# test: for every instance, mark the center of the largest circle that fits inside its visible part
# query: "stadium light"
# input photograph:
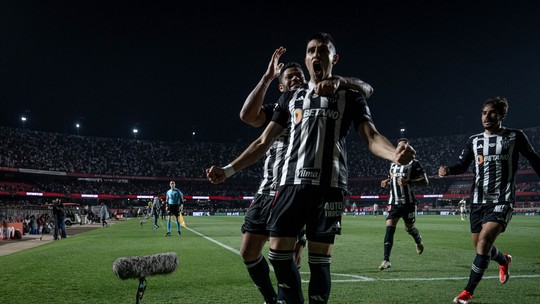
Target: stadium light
(402, 131)
(77, 125)
(23, 119)
(135, 131)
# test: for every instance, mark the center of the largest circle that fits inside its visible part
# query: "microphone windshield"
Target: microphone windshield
(142, 266)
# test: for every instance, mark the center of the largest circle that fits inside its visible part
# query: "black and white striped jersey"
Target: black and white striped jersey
(404, 194)
(318, 126)
(495, 164)
(273, 159)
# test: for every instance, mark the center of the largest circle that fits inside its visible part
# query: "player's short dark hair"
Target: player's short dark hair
(323, 37)
(500, 104)
(286, 66)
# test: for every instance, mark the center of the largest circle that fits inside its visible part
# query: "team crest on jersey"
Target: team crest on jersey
(310, 173)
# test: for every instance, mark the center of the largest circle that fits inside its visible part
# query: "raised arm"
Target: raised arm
(251, 112)
(254, 152)
(379, 145)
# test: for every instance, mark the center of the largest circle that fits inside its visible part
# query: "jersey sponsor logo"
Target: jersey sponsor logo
(491, 196)
(321, 112)
(311, 173)
(479, 159)
(496, 157)
(333, 209)
(297, 116)
(499, 208)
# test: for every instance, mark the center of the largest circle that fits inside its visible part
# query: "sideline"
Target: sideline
(34, 240)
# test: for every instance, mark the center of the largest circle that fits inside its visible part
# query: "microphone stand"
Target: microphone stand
(140, 290)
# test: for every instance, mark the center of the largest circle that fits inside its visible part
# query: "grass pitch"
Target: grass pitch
(79, 268)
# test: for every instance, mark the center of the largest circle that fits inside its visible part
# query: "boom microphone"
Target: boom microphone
(137, 267)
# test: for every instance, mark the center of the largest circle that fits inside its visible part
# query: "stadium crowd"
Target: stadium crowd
(130, 166)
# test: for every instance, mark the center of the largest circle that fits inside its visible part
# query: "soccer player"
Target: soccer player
(254, 233)
(154, 210)
(495, 154)
(175, 200)
(375, 209)
(314, 175)
(462, 209)
(402, 204)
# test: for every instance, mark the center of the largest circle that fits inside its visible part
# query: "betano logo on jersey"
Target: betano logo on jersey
(480, 159)
(324, 112)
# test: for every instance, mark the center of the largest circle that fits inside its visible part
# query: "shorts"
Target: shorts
(405, 211)
(257, 214)
(483, 213)
(318, 208)
(174, 209)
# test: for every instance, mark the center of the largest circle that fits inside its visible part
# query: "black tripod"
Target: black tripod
(140, 290)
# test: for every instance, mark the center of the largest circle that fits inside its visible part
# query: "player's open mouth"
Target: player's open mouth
(317, 68)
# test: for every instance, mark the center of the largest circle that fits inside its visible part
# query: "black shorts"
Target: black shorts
(405, 211)
(174, 209)
(318, 208)
(483, 213)
(257, 214)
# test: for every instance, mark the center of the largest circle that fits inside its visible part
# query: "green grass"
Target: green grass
(79, 269)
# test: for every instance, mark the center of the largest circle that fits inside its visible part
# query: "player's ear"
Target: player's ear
(335, 59)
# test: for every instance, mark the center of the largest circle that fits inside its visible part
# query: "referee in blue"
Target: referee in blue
(175, 200)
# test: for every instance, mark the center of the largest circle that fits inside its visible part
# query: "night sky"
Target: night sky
(172, 67)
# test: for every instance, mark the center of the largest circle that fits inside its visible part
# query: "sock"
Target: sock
(287, 275)
(497, 256)
(416, 235)
(260, 275)
(388, 242)
(320, 282)
(169, 224)
(178, 225)
(479, 266)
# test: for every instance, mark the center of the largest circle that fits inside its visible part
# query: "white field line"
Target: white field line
(352, 278)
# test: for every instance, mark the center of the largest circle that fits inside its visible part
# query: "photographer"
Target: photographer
(59, 219)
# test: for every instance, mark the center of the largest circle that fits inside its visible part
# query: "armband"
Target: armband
(229, 170)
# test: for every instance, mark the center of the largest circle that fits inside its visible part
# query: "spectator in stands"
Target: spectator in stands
(34, 226)
(495, 153)
(90, 216)
(59, 214)
(402, 202)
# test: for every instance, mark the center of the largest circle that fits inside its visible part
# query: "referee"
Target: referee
(175, 200)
